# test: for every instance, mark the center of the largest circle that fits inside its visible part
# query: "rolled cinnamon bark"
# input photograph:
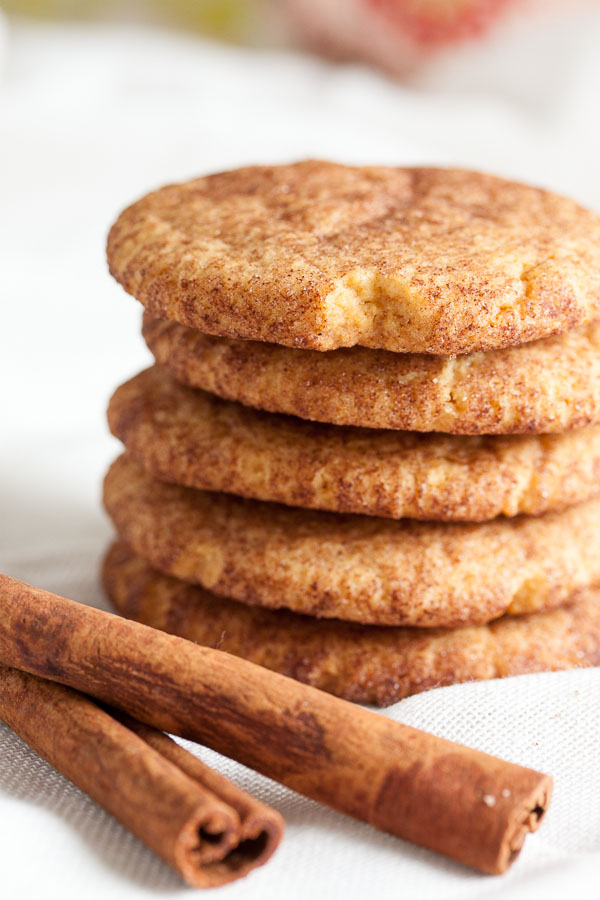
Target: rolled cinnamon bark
(470, 806)
(260, 827)
(203, 826)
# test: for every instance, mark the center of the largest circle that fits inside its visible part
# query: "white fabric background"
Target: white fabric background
(90, 118)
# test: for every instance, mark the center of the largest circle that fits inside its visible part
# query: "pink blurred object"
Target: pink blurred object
(399, 34)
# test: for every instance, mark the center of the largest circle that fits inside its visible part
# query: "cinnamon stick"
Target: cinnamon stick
(470, 806)
(202, 825)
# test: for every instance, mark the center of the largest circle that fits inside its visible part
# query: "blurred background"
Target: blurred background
(396, 35)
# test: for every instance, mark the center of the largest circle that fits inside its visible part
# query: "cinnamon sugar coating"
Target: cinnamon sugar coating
(364, 663)
(357, 568)
(195, 439)
(320, 255)
(547, 386)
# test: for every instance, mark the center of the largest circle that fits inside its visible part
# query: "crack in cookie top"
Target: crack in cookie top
(319, 255)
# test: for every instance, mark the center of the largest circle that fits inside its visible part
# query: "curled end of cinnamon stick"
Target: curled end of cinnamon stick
(209, 852)
(206, 839)
(524, 819)
(475, 808)
(226, 839)
(204, 826)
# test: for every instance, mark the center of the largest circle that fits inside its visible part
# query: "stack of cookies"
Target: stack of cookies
(368, 454)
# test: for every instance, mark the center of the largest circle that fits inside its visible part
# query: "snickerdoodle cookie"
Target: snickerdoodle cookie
(547, 386)
(358, 568)
(196, 439)
(364, 663)
(320, 255)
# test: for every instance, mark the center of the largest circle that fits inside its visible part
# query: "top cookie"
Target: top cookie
(320, 255)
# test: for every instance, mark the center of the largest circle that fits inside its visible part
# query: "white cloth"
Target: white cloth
(90, 118)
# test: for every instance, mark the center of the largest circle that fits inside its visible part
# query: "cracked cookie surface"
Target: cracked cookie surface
(193, 438)
(359, 568)
(320, 255)
(364, 663)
